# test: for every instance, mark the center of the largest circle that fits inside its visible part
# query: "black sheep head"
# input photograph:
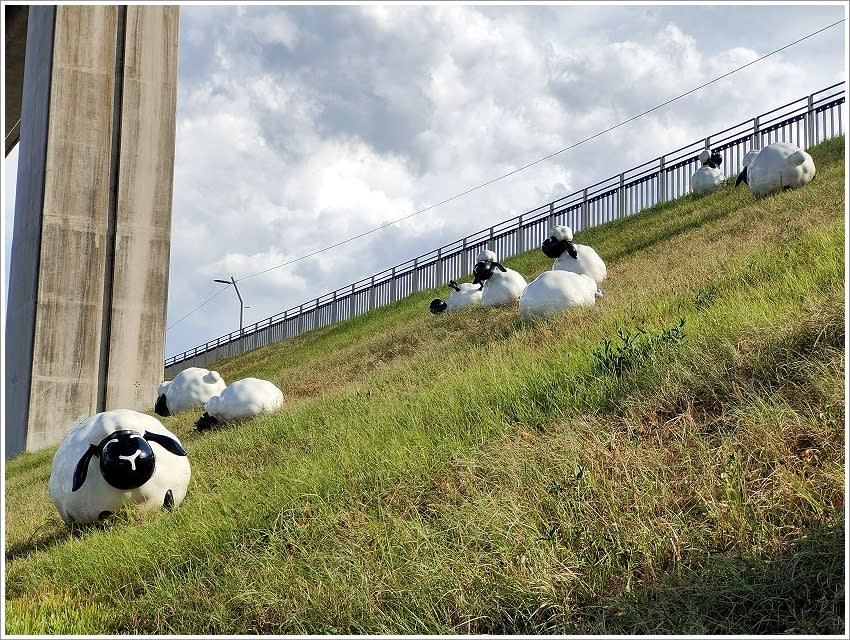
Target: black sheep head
(126, 459)
(437, 305)
(553, 248)
(161, 407)
(483, 270)
(206, 421)
(715, 160)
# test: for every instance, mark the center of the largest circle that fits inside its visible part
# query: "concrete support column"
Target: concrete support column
(89, 272)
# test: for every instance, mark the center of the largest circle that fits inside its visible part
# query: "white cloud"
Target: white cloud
(273, 29)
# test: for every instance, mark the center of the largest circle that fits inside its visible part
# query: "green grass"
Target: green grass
(469, 473)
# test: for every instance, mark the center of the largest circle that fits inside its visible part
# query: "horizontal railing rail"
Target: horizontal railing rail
(804, 122)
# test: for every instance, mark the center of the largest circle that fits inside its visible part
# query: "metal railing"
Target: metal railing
(803, 122)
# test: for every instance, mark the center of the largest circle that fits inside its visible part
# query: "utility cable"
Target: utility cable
(203, 304)
(524, 167)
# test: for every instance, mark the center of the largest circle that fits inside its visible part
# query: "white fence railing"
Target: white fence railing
(804, 122)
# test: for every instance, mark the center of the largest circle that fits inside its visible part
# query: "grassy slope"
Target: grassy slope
(468, 473)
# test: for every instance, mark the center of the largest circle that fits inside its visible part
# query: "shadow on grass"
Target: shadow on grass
(51, 533)
(801, 592)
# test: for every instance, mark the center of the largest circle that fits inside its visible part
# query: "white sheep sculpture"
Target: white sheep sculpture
(117, 458)
(574, 257)
(708, 178)
(553, 292)
(190, 388)
(463, 295)
(501, 286)
(240, 400)
(777, 166)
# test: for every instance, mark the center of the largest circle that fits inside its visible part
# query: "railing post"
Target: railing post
(490, 240)
(585, 214)
(621, 196)
(351, 302)
(810, 119)
(315, 315)
(371, 293)
(300, 319)
(415, 283)
(662, 180)
(392, 287)
(520, 237)
(551, 219)
(465, 269)
(440, 271)
(756, 142)
(333, 310)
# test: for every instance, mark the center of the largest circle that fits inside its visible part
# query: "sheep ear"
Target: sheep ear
(501, 268)
(571, 249)
(82, 468)
(161, 407)
(167, 442)
(742, 178)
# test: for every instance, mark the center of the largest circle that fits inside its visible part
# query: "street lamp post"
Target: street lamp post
(241, 305)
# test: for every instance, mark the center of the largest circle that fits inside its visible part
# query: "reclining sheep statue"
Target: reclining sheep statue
(190, 388)
(240, 400)
(708, 178)
(574, 257)
(463, 295)
(117, 458)
(553, 292)
(775, 167)
(501, 286)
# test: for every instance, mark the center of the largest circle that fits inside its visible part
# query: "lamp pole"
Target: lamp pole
(241, 305)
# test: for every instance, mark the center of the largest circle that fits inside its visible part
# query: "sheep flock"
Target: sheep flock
(122, 457)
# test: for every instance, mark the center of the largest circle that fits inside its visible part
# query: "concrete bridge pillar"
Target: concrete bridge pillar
(85, 329)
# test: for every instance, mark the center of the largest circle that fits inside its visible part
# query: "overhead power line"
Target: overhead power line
(203, 304)
(522, 168)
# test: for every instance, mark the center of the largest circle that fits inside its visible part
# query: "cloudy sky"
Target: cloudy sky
(301, 126)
